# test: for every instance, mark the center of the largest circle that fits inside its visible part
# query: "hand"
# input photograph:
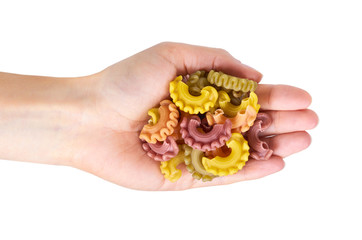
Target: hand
(128, 89)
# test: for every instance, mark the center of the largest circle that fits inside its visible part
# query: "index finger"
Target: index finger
(282, 97)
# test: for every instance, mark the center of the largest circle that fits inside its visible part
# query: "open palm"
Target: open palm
(128, 89)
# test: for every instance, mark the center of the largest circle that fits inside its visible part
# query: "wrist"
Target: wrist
(42, 117)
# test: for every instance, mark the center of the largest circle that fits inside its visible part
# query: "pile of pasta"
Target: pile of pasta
(211, 123)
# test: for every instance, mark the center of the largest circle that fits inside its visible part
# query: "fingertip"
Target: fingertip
(286, 144)
(308, 140)
(307, 98)
(283, 97)
(313, 119)
(303, 139)
(254, 74)
(277, 164)
(255, 169)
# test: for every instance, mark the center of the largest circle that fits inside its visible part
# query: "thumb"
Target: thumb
(188, 59)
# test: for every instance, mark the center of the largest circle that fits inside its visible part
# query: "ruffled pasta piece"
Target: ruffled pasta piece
(164, 127)
(252, 100)
(176, 133)
(195, 167)
(240, 123)
(155, 116)
(198, 139)
(259, 149)
(232, 110)
(222, 166)
(169, 168)
(161, 151)
(229, 82)
(180, 95)
(196, 82)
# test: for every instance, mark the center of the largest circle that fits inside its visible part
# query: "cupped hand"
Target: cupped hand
(128, 89)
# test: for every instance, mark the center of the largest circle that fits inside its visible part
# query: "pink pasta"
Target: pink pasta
(259, 149)
(161, 151)
(197, 139)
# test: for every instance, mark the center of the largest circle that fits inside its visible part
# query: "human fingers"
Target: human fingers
(188, 59)
(291, 121)
(282, 97)
(253, 169)
(287, 144)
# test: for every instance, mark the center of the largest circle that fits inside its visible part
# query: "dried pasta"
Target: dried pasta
(195, 167)
(180, 95)
(169, 168)
(197, 139)
(259, 149)
(196, 82)
(222, 166)
(221, 79)
(164, 127)
(204, 126)
(161, 151)
(240, 123)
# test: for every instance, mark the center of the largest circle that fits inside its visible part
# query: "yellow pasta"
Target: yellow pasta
(222, 166)
(180, 95)
(169, 168)
(154, 114)
(232, 110)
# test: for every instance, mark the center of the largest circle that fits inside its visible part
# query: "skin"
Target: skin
(92, 123)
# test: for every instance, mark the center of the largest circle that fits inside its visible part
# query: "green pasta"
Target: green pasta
(196, 82)
(221, 79)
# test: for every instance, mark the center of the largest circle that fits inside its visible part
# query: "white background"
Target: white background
(314, 45)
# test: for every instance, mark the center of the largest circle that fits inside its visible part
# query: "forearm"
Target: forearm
(39, 117)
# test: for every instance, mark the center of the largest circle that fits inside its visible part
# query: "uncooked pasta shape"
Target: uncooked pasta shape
(161, 151)
(231, 110)
(181, 96)
(195, 167)
(229, 82)
(197, 139)
(222, 166)
(155, 116)
(196, 82)
(240, 123)
(259, 149)
(169, 168)
(204, 126)
(165, 125)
